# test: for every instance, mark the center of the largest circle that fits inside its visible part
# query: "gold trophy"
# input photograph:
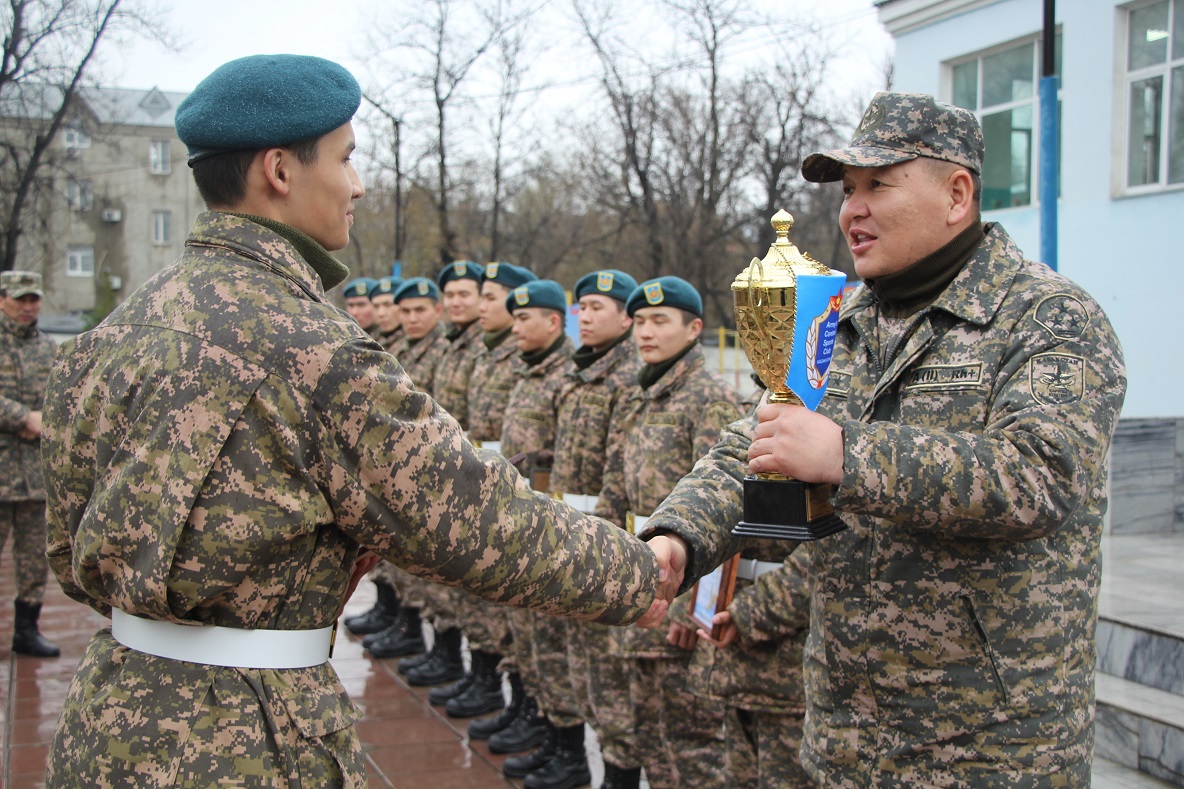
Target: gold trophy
(784, 297)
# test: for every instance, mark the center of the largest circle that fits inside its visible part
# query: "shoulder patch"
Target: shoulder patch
(1064, 316)
(1057, 378)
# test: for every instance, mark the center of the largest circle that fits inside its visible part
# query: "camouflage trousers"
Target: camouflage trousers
(26, 522)
(539, 652)
(442, 606)
(409, 588)
(487, 627)
(763, 749)
(680, 736)
(597, 661)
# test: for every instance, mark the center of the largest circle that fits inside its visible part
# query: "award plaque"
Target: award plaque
(712, 594)
(787, 316)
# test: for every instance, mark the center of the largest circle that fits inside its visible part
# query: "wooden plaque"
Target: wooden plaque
(713, 593)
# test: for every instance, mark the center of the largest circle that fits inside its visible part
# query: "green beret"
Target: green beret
(460, 269)
(665, 292)
(359, 287)
(385, 285)
(508, 275)
(263, 101)
(545, 293)
(606, 282)
(417, 288)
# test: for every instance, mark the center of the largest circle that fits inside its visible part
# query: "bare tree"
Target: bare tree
(49, 47)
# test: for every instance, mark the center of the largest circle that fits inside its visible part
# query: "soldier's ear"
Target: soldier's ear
(960, 187)
(275, 164)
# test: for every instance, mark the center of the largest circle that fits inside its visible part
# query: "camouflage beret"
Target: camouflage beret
(385, 285)
(417, 288)
(606, 282)
(545, 293)
(359, 287)
(665, 292)
(263, 101)
(508, 275)
(21, 283)
(898, 127)
(460, 269)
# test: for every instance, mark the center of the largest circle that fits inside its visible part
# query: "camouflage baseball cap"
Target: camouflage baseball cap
(21, 283)
(898, 127)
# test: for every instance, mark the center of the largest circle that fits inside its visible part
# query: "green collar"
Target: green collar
(909, 291)
(650, 374)
(585, 357)
(331, 271)
(493, 339)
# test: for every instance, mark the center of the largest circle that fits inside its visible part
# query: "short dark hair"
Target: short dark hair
(222, 179)
(941, 169)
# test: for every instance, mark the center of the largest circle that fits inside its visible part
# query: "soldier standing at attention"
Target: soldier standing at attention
(25, 358)
(359, 306)
(497, 370)
(528, 434)
(386, 313)
(672, 416)
(213, 484)
(600, 373)
(972, 399)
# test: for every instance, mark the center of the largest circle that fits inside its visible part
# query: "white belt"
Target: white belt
(223, 646)
(582, 502)
(634, 522)
(751, 569)
(493, 446)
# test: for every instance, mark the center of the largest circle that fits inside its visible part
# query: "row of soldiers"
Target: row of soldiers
(609, 428)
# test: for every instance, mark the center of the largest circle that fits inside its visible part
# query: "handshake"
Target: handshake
(671, 554)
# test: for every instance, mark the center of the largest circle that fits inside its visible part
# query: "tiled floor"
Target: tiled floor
(411, 744)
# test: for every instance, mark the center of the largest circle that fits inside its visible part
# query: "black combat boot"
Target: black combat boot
(403, 638)
(445, 665)
(484, 693)
(26, 638)
(528, 730)
(380, 617)
(487, 727)
(621, 777)
(524, 765)
(568, 766)
(446, 693)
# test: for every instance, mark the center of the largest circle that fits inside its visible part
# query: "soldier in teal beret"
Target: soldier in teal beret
(610, 282)
(226, 456)
(358, 303)
(388, 319)
(507, 275)
(541, 293)
(666, 292)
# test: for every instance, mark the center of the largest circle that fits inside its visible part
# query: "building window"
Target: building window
(1155, 95)
(162, 228)
(75, 137)
(80, 194)
(158, 158)
(80, 261)
(1000, 86)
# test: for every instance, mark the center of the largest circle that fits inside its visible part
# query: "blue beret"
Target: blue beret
(508, 275)
(417, 288)
(266, 100)
(606, 282)
(460, 269)
(385, 285)
(545, 293)
(359, 287)
(665, 292)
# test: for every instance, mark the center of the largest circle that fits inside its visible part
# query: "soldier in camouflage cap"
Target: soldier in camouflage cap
(227, 451)
(973, 395)
(25, 357)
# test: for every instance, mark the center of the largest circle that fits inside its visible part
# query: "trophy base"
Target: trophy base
(787, 509)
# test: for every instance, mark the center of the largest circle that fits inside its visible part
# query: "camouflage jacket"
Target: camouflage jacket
(763, 670)
(495, 372)
(26, 355)
(952, 623)
(203, 467)
(421, 359)
(390, 340)
(529, 423)
(586, 404)
(455, 370)
(656, 436)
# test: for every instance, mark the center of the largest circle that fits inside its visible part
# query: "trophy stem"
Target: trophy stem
(786, 397)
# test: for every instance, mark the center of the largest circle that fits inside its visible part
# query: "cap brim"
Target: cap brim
(16, 294)
(826, 167)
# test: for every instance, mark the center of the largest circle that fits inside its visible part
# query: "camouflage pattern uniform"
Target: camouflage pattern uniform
(759, 677)
(529, 428)
(26, 355)
(390, 340)
(205, 468)
(589, 398)
(952, 623)
(657, 436)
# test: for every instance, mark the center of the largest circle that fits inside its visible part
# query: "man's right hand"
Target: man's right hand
(31, 430)
(671, 553)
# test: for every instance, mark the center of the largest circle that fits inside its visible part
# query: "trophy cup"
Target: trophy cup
(787, 315)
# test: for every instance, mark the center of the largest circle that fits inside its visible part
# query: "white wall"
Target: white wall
(1124, 250)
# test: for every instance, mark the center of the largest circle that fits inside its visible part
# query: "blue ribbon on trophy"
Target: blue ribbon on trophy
(816, 305)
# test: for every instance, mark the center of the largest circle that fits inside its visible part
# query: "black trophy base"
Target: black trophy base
(787, 509)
